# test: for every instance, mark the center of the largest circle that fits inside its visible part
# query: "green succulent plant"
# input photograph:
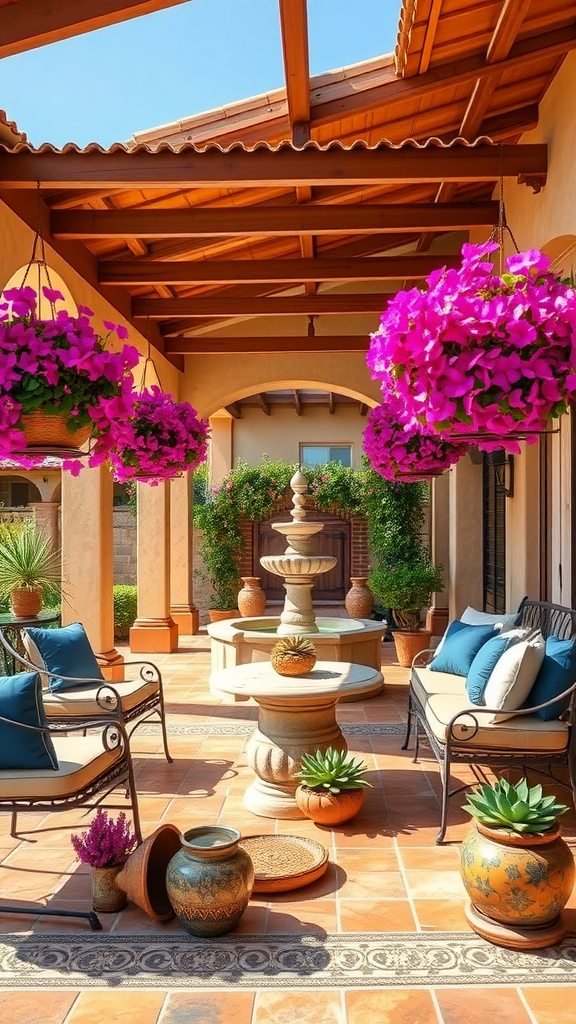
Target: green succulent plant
(516, 808)
(332, 770)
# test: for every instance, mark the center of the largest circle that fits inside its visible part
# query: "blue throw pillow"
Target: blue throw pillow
(65, 652)
(557, 673)
(21, 700)
(460, 647)
(484, 664)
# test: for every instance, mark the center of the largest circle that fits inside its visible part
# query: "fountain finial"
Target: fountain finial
(299, 486)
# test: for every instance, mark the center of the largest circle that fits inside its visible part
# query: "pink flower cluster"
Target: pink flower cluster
(148, 436)
(397, 445)
(106, 843)
(481, 354)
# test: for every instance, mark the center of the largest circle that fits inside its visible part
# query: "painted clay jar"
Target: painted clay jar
(209, 880)
(359, 600)
(251, 599)
(517, 879)
(107, 896)
(326, 808)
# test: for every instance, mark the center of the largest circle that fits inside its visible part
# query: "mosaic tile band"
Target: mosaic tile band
(247, 728)
(396, 960)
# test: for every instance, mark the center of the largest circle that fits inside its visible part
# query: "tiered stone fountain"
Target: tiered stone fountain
(241, 641)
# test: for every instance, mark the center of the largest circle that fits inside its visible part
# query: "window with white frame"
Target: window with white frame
(319, 454)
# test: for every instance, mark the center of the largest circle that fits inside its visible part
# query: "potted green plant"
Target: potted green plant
(516, 868)
(406, 588)
(29, 568)
(332, 786)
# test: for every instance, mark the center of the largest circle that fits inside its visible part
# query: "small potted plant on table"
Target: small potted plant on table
(516, 868)
(332, 786)
(29, 568)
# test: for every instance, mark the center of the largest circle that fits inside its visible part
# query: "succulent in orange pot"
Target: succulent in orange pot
(332, 786)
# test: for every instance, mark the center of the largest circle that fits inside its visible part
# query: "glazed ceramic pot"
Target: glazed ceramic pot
(359, 600)
(329, 808)
(408, 645)
(519, 880)
(210, 880)
(107, 896)
(251, 599)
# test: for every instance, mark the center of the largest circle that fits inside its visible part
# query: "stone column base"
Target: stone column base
(113, 669)
(154, 636)
(186, 617)
(437, 621)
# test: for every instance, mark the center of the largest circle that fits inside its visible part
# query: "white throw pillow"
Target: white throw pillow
(33, 655)
(472, 617)
(514, 676)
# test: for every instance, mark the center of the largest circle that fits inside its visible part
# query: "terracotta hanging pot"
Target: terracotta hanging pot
(359, 600)
(25, 603)
(251, 599)
(43, 431)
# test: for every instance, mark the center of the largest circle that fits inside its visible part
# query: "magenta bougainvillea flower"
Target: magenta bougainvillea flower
(476, 353)
(397, 445)
(149, 436)
(57, 366)
(106, 843)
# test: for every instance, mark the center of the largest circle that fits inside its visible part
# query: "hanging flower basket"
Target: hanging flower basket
(481, 356)
(149, 437)
(53, 375)
(399, 448)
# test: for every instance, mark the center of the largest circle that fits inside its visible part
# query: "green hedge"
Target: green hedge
(125, 610)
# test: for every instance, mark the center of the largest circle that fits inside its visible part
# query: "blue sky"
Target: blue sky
(105, 85)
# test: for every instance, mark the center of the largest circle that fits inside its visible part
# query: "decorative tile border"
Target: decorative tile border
(246, 728)
(393, 960)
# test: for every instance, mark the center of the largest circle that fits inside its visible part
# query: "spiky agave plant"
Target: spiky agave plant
(28, 562)
(332, 770)
(516, 808)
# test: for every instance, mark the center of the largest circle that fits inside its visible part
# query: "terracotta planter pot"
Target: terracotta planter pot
(215, 615)
(517, 884)
(107, 896)
(251, 599)
(143, 876)
(359, 600)
(408, 645)
(329, 808)
(25, 603)
(41, 430)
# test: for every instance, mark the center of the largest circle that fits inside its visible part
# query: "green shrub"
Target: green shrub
(125, 610)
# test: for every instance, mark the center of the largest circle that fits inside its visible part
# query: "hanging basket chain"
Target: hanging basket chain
(38, 257)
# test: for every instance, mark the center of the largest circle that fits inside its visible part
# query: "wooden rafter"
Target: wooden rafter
(294, 30)
(264, 405)
(222, 306)
(384, 268)
(363, 409)
(30, 23)
(261, 167)
(283, 220)
(297, 402)
(235, 410)
(229, 346)
(430, 35)
(331, 403)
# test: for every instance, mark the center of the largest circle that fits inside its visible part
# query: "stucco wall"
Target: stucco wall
(280, 434)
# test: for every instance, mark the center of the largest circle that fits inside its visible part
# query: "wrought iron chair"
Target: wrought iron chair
(91, 766)
(133, 700)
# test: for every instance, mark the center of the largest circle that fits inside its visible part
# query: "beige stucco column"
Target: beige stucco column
(464, 580)
(154, 631)
(182, 608)
(437, 618)
(523, 529)
(221, 454)
(88, 561)
(46, 519)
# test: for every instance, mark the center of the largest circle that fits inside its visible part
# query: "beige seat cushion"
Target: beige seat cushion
(81, 759)
(426, 682)
(527, 733)
(82, 702)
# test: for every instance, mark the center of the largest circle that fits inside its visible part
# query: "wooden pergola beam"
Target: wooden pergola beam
(260, 167)
(292, 305)
(297, 402)
(281, 220)
(289, 271)
(31, 23)
(294, 32)
(257, 346)
(264, 405)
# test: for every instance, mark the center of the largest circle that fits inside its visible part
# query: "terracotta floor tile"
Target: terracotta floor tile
(550, 1005)
(376, 916)
(441, 915)
(446, 883)
(369, 884)
(313, 918)
(356, 861)
(392, 1006)
(445, 857)
(93, 1007)
(208, 1008)
(25, 1006)
(457, 1007)
(296, 1007)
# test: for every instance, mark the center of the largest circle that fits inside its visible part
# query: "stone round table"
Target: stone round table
(296, 716)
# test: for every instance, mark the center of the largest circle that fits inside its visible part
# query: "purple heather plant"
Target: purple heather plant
(397, 444)
(149, 436)
(478, 353)
(106, 843)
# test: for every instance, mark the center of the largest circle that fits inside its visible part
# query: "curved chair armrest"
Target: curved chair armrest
(428, 652)
(108, 730)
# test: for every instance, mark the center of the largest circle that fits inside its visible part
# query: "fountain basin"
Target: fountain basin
(242, 641)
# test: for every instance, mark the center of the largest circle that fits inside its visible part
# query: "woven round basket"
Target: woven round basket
(42, 430)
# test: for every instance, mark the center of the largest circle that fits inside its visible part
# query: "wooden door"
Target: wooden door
(333, 540)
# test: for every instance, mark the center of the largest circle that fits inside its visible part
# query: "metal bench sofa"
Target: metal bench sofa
(459, 732)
